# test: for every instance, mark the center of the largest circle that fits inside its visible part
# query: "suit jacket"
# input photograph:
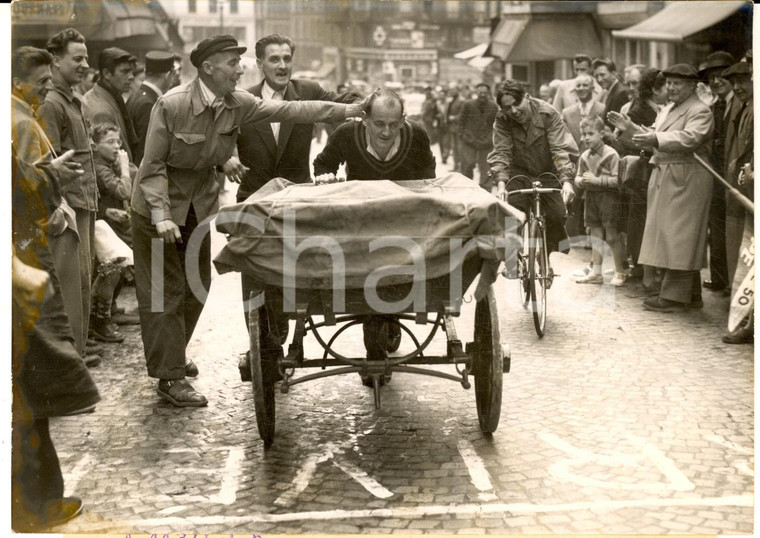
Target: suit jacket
(616, 97)
(565, 96)
(139, 106)
(572, 116)
(267, 159)
(740, 128)
(680, 189)
(99, 105)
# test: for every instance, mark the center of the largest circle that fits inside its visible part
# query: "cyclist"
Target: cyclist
(530, 138)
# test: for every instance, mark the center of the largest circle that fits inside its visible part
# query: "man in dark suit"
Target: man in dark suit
(160, 75)
(605, 74)
(271, 150)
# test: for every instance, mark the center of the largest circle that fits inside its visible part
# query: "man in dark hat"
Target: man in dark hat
(724, 102)
(104, 101)
(680, 190)
(160, 76)
(739, 156)
(192, 134)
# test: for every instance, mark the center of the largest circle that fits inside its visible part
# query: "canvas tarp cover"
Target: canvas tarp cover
(357, 228)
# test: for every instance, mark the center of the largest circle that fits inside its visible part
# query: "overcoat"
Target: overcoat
(678, 199)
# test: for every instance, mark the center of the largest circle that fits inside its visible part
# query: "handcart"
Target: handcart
(485, 359)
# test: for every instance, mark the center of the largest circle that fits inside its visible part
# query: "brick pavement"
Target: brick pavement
(618, 421)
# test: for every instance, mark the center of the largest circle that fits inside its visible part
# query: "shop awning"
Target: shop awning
(679, 20)
(543, 38)
(124, 18)
(473, 52)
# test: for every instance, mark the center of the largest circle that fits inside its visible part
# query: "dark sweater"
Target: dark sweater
(348, 144)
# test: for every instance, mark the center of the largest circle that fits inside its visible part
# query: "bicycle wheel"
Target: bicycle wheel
(523, 272)
(263, 390)
(538, 264)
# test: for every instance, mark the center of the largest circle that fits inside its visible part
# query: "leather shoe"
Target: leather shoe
(269, 370)
(658, 304)
(55, 513)
(742, 335)
(92, 360)
(244, 368)
(125, 319)
(191, 370)
(180, 393)
(714, 286)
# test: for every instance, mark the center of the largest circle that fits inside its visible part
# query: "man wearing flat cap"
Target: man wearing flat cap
(192, 134)
(104, 103)
(723, 106)
(160, 76)
(680, 189)
(739, 154)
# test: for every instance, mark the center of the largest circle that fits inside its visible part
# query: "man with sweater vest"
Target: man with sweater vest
(383, 146)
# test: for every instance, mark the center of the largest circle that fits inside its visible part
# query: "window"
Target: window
(192, 6)
(233, 6)
(212, 5)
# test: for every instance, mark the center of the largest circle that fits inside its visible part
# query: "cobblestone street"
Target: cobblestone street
(618, 421)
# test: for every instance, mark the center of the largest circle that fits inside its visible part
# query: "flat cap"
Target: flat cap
(212, 45)
(159, 61)
(113, 56)
(716, 60)
(684, 71)
(738, 69)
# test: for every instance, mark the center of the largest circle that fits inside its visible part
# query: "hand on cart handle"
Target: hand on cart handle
(328, 178)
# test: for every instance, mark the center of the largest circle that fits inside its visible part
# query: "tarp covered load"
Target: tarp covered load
(336, 235)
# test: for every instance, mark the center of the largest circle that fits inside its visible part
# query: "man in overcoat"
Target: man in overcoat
(680, 190)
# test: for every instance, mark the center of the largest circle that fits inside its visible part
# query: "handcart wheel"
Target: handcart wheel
(538, 263)
(263, 391)
(488, 362)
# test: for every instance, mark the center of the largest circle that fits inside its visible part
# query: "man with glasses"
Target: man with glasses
(529, 139)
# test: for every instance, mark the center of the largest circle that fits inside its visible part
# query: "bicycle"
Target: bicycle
(533, 267)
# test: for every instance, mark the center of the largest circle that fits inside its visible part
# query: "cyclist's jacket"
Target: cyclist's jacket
(543, 144)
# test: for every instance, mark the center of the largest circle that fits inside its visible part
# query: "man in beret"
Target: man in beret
(680, 190)
(160, 76)
(104, 101)
(723, 108)
(739, 158)
(192, 134)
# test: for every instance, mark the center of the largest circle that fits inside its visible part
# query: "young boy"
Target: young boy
(112, 170)
(598, 175)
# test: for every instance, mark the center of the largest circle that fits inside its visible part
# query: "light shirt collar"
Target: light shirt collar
(155, 88)
(391, 153)
(208, 96)
(268, 93)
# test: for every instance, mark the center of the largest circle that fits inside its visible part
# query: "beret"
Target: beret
(716, 60)
(738, 69)
(159, 61)
(112, 56)
(684, 71)
(212, 45)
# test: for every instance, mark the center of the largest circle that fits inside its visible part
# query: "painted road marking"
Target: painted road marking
(231, 477)
(309, 468)
(563, 470)
(479, 475)
(719, 439)
(510, 509)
